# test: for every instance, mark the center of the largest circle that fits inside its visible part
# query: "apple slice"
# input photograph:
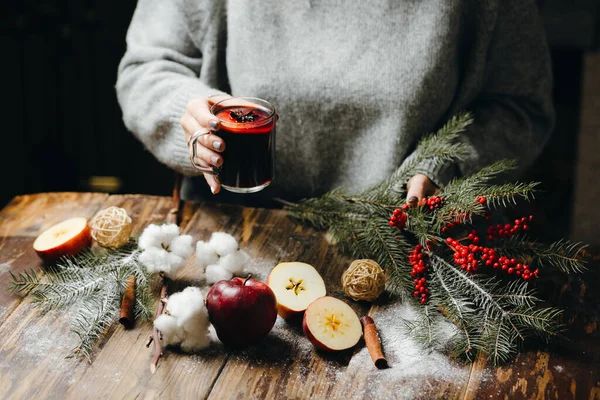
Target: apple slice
(295, 285)
(331, 325)
(64, 239)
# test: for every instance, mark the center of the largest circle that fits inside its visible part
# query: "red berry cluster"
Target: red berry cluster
(432, 202)
(418, 269)
(511, 266)
(398, 218)
(508, 230)
(465, 256)
(480, 199)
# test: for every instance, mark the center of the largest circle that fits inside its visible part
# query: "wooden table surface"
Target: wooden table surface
(34, 347)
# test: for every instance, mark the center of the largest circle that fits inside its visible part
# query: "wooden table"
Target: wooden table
(34, 347)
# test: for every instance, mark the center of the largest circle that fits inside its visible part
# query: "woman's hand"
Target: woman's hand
(198, 117)
(419, 186)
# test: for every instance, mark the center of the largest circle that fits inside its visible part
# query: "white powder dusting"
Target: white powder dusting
(414, 369)
(4, 267)
(260, 268)
(43, 344)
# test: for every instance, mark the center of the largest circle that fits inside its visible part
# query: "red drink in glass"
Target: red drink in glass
(248, 130)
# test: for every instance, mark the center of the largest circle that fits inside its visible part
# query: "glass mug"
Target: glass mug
(248, 130)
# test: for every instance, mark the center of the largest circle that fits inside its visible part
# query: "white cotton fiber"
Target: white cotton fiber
(223, 243)
(186, 304)
(182, 246)
(215, 273)
(151, 237)
(169, 232)
(154, 259)
(196, 342)
(186, 322)
(235, 262)
(205, 254)
(164, 250)
(170, 331)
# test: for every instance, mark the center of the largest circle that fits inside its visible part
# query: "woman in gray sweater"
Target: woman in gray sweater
(355, 83)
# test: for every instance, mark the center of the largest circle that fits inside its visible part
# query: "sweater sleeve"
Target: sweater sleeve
(513, 110)
(157, 77)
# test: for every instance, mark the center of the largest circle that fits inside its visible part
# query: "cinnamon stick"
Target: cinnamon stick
(127, 303)
(373, 343)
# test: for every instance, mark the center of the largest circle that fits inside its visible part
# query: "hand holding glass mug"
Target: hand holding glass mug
(232, 141)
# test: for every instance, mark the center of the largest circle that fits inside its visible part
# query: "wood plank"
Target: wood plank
(22, 220)
(566, 368)
(34, 346)
(124, 351)
(586, 219)
(178, 375)
(285, 364)
(414, 371)
(29, 215)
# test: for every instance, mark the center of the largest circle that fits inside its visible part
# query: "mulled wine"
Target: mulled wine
(248, 130)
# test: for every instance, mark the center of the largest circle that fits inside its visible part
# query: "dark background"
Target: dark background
(62, 128)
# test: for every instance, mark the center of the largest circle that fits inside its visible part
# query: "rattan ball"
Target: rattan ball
(363, 280)
(111, 227)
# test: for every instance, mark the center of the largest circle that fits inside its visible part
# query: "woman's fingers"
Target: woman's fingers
(213, 182)
(207, 157)
(200, 110)
(191, 126)
(419, 186)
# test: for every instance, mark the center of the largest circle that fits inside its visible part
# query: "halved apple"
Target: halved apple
(64, 239)
(295, 285)
(331, 325)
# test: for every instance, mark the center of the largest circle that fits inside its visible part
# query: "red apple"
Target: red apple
(331, 325)
(243, 311)
(295, 285)
(64, 239)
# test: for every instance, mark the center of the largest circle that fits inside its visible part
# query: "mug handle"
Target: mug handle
(193, 152)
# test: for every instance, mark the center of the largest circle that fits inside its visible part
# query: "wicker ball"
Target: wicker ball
(111, 227)
(363, 280)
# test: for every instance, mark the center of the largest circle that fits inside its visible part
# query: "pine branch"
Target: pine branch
(93, 319)
(92, 283)
(564, 255)
(492, 316)
(506, 195)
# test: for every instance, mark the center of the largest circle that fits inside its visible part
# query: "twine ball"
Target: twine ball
(111, 227)
(363, 280)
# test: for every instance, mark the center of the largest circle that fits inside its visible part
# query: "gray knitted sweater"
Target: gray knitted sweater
(355, 83)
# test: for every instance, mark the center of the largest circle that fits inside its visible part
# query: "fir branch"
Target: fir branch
(506, 195)
(92, 284)
(93, 319)
(564, 255)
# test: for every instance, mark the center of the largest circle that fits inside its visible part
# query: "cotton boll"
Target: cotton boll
(195, 324)
(187, 304)
(235, 262)
(214, 274)
(169, 232)
(205, 254)
(182, 246)
(151, 237)
(154, 259)
(196, 342)
(223, 243)
(173, 265)
(171, 332)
